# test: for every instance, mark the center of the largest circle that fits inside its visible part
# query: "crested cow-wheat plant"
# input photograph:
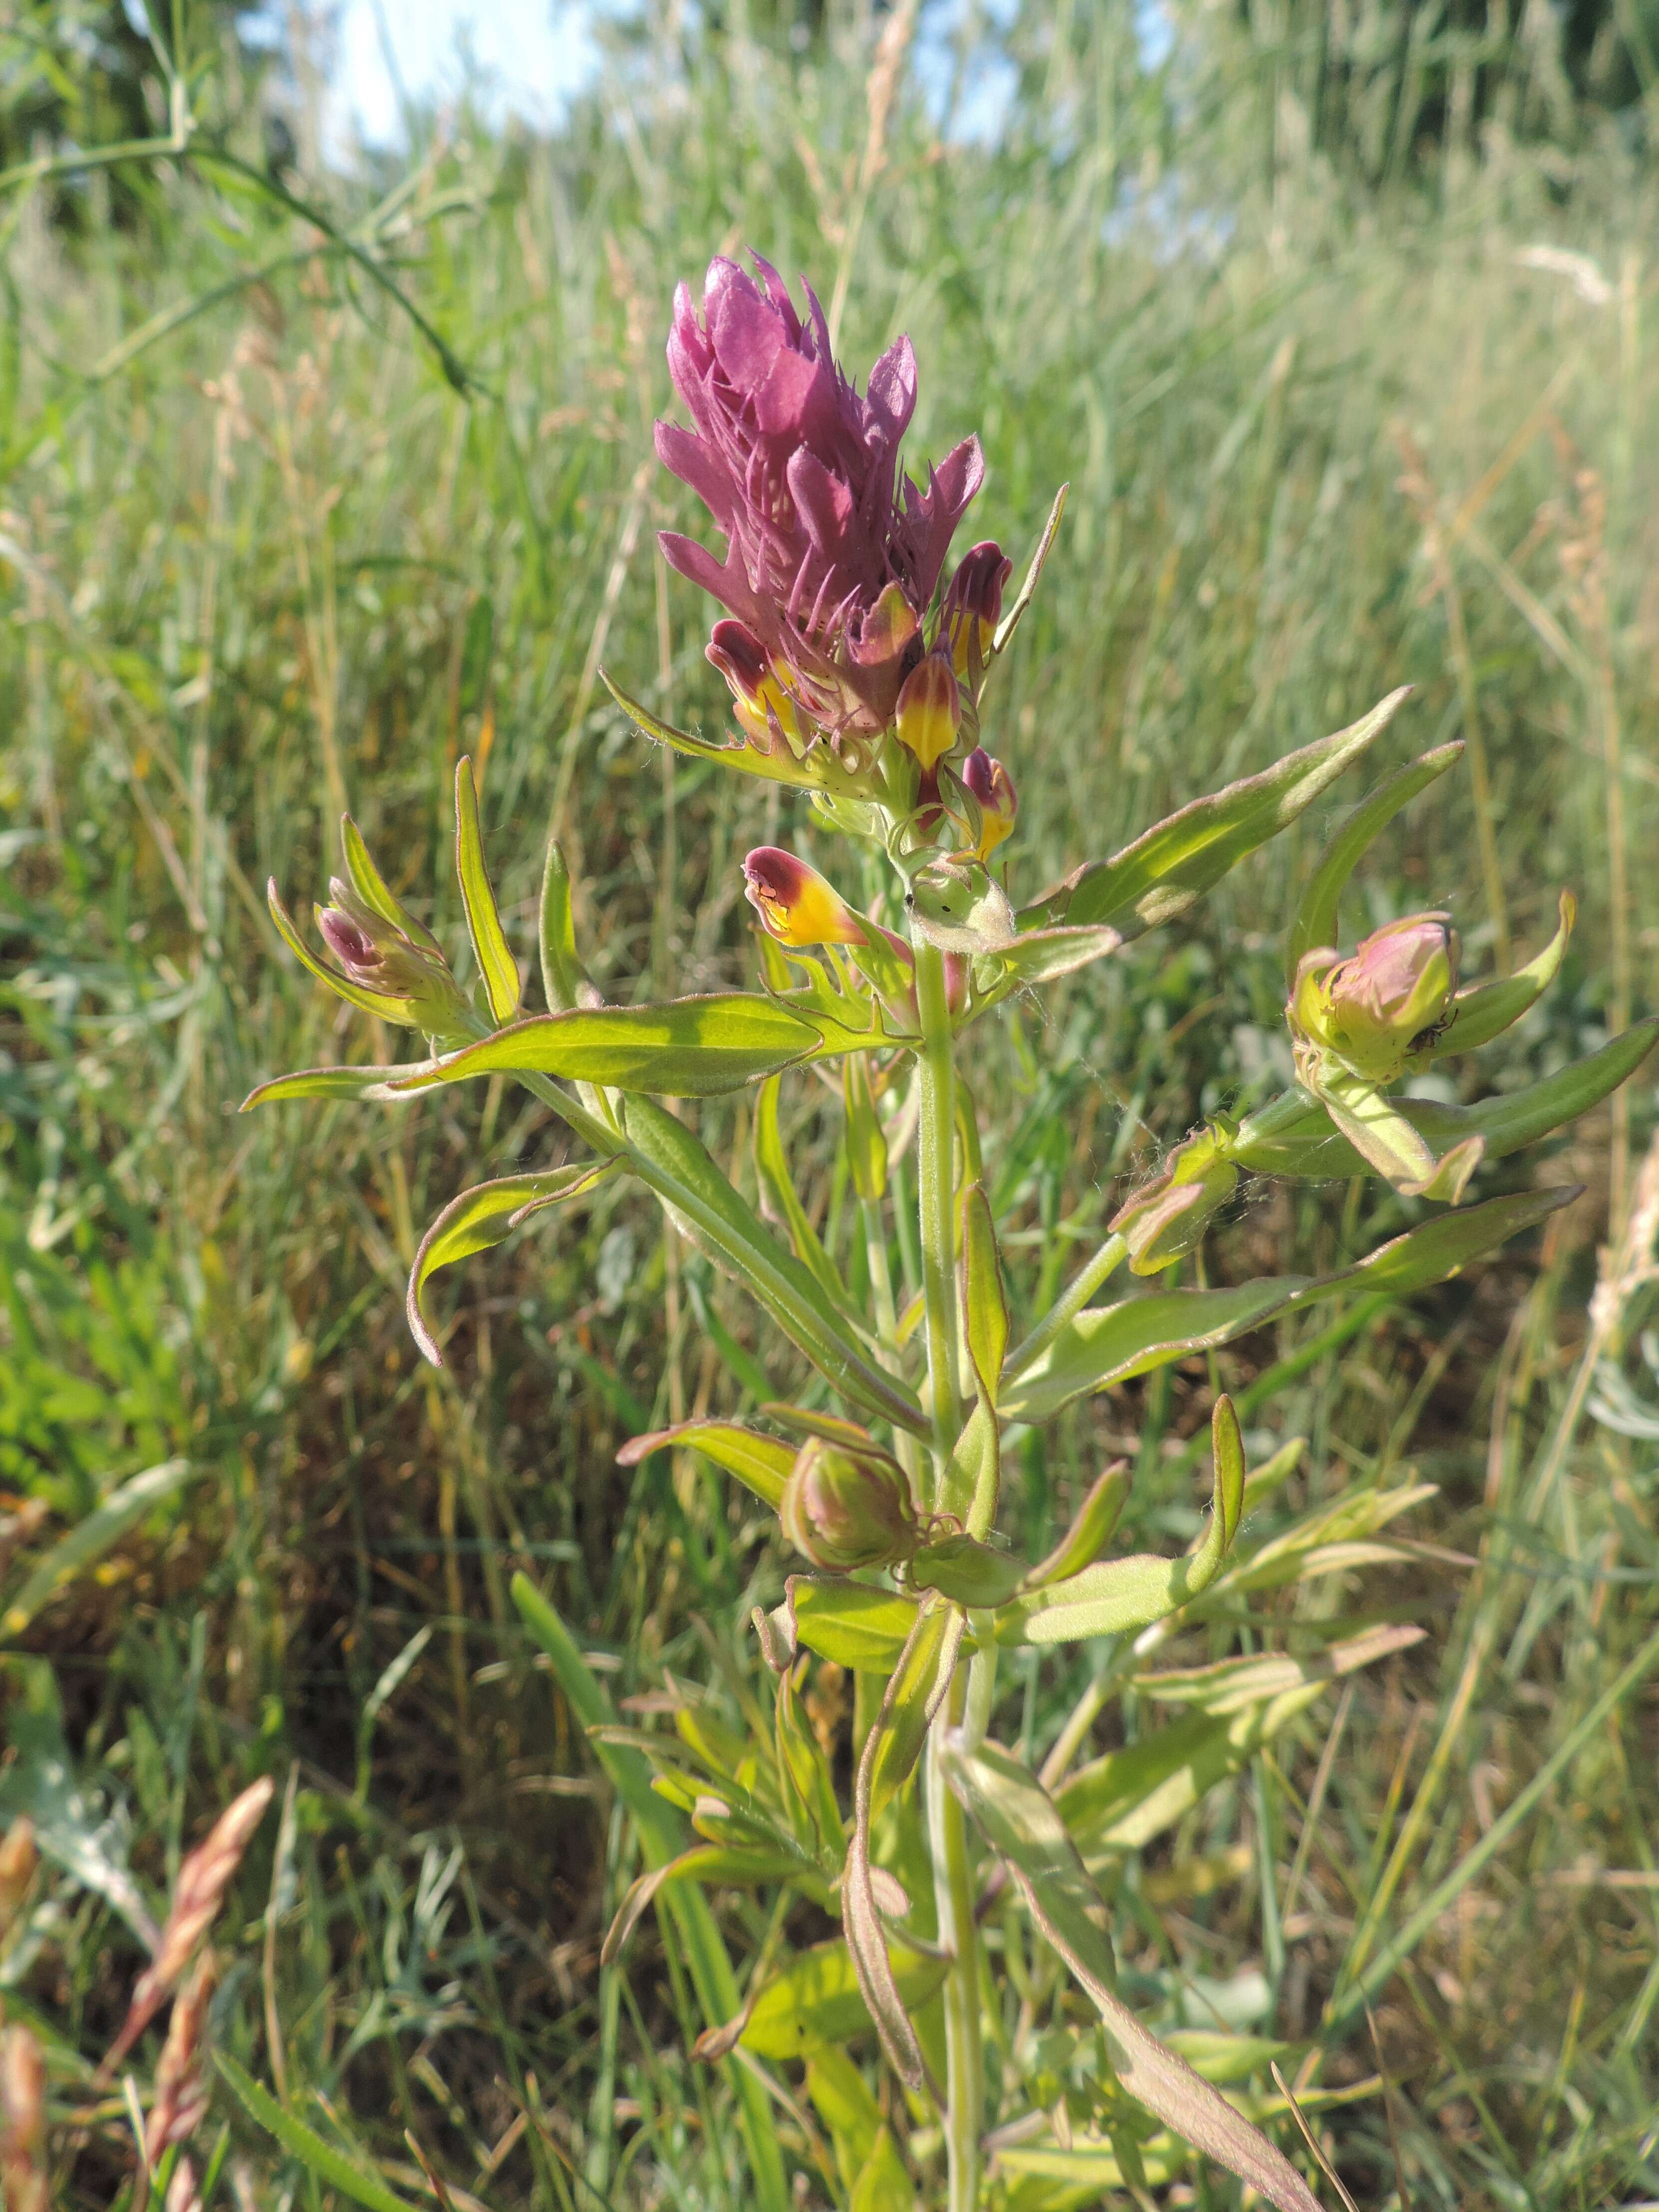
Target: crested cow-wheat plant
(973, 1960)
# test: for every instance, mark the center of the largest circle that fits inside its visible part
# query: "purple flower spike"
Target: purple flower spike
(832, 558)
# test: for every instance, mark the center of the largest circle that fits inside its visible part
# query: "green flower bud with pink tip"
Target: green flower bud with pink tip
(842, 1509)
(1374, 1012)
(413, 979)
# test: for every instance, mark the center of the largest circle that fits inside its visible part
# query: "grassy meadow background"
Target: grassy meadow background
(315, 479)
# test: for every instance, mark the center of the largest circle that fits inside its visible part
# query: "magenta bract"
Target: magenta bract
(832, 556)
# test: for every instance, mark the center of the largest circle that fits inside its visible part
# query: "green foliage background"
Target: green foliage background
(260, 558)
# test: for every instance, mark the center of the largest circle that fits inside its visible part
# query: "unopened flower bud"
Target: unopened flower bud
(973, 605)
(759, 701)
(1388, 1001)
(377, 956)
(930, 709)
(1167, 1216)
(843, 1509)
(998, 803)
(798, 906)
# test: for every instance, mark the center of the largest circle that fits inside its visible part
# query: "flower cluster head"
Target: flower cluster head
(1374, 1012)
(833, 558)
(844, 1508)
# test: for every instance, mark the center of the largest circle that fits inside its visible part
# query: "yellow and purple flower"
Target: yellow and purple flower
(928, 711)
(799, 906)
(973, 607)
(999, 802)
(832, 558)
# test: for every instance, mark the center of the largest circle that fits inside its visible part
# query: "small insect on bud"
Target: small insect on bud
(930, 709)
(973, 606)
(1387, 1002)
(999, 802)
(760, 702)
(843, 1509)
(798, 905)
(1167, 1216)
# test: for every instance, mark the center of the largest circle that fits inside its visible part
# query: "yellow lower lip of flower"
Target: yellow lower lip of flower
(817, 916)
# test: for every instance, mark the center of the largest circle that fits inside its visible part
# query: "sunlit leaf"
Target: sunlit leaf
(1020, 1823)
(1316, 921)
(1090, 1533)
(490, 949)
(1485, 1009)
(479, 1219)
(858, 1627)
(686, 1049)
(356, 1083)
(1170, 868)
(760, 1463)
(814, 2001)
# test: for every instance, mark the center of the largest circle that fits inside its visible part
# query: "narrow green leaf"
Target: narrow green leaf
(1019, 1821)
(780, 1198)
(374, 892)
(686, 1049)
(985, 1308)
(846, 2105)
(968, 1572)
(813, 2003)
(885, 2184)
(499, 969)
(1010, 621)
(719, 1221)
(90, 1539)
(1316, 921)
(1108, 1343)
(562, 972)
(1488, 1009)
(858, 1627)
(974, 1470)
(1118, 1597)
(1170, 868)
(1125, 1800)
(826, 773)
(913, 1696)
(356, 1083)
(330, 2166)
(1041, 956)
(762, 1463)
(1229, 1685)
(866, 1141)
(1090, 1534)
(482, 1217)
(662, 1836)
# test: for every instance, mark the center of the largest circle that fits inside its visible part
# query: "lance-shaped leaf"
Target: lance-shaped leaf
(561, 971)
(1090, 1534)
(499, 969)
(819, 771)
(662, 1836)
(1316, 921)
(761, 1463)
(1125, 1800)
(814, 2001)
(375, 892)
(1109, 1344)
(857, 1626)
(1283, 1141)
(1393, 1147)
(482, 1217)
(719, 1222)
(686, 1048)
(1485, 1009)
(1040, 956)
(914, 1695)
(779, 1198)
(707, 1862)
(1010, 621)
(1019, 1822)
(969, 1573)
(973, 1469)
(353, 1082)
(984, 1307)
(1118, 1597)
(1171, 866)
